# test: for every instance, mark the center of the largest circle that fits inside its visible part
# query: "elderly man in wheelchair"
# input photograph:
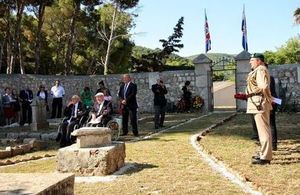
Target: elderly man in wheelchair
(101, 116)
(101, 112)
(74, 115)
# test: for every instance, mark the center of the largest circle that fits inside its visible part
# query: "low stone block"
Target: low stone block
(17, 151)
(37, 183)
(28, 140)
(48, 136)
(5, 154)
(92, 161)
(26, 147)
(38, 144)
(4, 141)
(88, 137)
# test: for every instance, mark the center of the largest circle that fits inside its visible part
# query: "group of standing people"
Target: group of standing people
(13, 103)
(17, 106)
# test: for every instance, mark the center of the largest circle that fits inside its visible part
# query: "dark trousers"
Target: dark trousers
(159, 116)
(26, 113)
(133, 119)
(66, 130)
(56, 105)
(272, 124)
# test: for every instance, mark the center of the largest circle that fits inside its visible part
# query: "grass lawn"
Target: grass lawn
(166, 164)
(231, 144)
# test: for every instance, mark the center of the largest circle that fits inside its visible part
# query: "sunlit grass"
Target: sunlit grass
(231, 143)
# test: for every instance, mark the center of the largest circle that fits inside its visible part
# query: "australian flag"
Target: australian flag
(244, 30)
(207, 36)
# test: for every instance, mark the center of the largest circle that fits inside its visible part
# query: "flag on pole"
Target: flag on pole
(207, 35)
(244, 30)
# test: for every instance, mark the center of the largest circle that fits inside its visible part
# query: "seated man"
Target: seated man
(73, 113)
(101, 111)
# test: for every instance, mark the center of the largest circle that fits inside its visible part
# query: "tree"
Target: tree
(38, 8)
(154, 61)
(119, 7)
(286, 54)
(297, 16)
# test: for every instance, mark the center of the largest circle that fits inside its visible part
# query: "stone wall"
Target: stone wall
(287, 80)
(174, 80)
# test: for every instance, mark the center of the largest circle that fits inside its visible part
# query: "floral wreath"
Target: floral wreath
(198, 101)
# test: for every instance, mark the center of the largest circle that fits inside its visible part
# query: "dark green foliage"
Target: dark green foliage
(155, 60)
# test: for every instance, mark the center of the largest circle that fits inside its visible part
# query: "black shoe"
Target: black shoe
(136, 135)
(254, 138)
(255, 157)
(274, 147)
(260, 162)
(123, 134)
(156, 127)
(58, 137)
(161, 126)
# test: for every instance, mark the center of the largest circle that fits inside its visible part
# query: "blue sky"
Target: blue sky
(270, 24)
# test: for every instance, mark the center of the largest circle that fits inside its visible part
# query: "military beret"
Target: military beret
(259, 56)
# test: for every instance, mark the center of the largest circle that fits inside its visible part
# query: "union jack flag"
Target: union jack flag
(207, 35)
(244, 30)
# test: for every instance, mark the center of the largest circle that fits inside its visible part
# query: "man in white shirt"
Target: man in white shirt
(57, 92)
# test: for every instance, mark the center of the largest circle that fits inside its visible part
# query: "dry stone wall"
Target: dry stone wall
(174, 81)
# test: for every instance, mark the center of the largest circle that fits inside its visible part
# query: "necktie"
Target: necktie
(73, 111)
(125, 89)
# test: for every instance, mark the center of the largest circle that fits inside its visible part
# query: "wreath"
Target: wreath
(198, 102)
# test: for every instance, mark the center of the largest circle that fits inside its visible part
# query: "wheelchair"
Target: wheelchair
(114, 123)
(80, 123)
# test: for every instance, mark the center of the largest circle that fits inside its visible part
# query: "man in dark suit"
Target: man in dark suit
(101, 111)
(26, 97)
(73, 113)
(159, 90)
(127, 95)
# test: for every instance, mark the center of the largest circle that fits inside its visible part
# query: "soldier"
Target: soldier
(259, 104)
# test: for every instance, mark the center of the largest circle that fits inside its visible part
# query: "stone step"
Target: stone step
(37, 183)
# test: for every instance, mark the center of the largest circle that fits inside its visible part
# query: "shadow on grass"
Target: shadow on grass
(15, 191)
(137, 167)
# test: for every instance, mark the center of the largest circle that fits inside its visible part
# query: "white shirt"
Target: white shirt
(42, 95)
(100, 107)
(57, 92)
(75, 111)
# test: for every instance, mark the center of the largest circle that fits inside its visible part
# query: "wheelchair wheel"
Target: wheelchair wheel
(76, 127)
(114, 126)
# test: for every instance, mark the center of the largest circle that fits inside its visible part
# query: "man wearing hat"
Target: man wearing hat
(259, 103)
(101, 111)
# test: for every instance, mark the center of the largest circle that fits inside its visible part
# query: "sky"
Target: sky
(270, 23)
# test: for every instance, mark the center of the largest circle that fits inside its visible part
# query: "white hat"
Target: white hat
(99, 94)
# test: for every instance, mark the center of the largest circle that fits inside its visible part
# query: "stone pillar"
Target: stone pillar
(204, 85)
(39, 115)
(242, 69)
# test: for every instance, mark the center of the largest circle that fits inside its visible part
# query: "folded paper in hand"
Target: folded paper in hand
(277, 100)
